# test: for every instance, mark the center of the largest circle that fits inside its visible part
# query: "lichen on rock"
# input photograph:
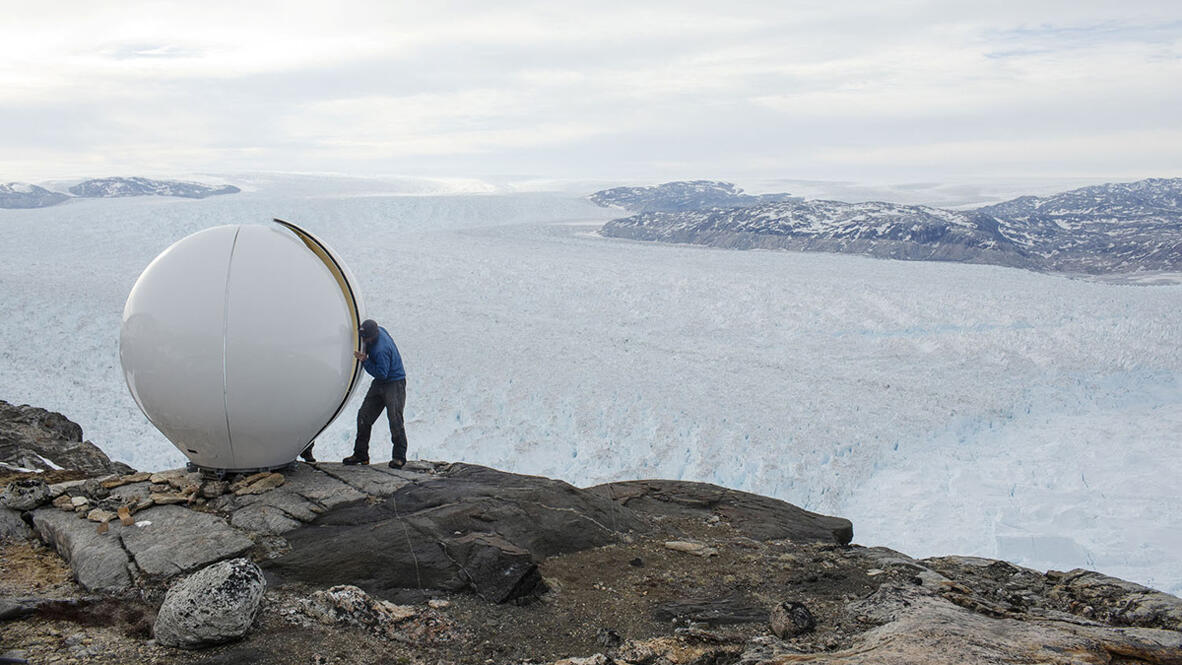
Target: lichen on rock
(215, 605)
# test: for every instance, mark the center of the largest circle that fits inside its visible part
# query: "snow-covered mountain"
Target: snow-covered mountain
(682, 195)
(24, 195)
(119, 187)
(1105, 228)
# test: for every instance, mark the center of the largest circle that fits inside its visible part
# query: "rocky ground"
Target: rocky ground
(453, 563)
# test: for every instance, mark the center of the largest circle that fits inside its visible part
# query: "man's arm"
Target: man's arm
(378, 363)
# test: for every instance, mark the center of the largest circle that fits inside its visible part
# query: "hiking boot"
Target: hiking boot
(355, 459)
(397, 463)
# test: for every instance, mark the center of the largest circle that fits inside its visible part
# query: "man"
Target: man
(387, 391)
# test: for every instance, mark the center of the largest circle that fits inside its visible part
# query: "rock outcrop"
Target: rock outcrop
(25, 494)
(459, 527)
(448, 527)
(217, 604)
(12, 527)
(456, 562)
(919, 626)
(98, 560)
(33, 438)
(758, 517)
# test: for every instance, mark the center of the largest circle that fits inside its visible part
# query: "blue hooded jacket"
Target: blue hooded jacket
(383, 361)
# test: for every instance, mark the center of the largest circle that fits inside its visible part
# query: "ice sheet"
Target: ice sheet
(944, 408)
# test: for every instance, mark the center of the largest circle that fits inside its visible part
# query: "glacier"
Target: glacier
(944, 408)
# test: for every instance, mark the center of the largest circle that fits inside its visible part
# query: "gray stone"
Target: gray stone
(93, 489)
(368, 479)
(12, 527)
(26, 494)
(212, 606)
(305, 494)
(58, 489)
(132, 493)
(100, 515)
(263, 519)
(791, 619)
(175, 540)
(98, 561)
(322, 489)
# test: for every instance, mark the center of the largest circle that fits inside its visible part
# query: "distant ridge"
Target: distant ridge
(1115, 227)
(119, 187)
(24, 195)
(681, 196)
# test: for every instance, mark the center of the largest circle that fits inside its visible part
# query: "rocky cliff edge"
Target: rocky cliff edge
(457, 563)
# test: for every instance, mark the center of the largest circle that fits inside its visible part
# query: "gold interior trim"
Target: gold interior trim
(346, 289)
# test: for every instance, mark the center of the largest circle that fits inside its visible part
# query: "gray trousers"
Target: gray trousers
(388, 395)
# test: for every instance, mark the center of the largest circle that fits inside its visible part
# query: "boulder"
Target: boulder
(169, 540)
(33, 438)
(697, 549)
(790, 619)
(495, 569)
(758, 517)
(215, 605)
(351, 606)
(131, 493)
(98, 561)
(26, 494)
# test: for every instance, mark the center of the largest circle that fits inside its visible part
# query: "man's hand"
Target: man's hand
(360, 355)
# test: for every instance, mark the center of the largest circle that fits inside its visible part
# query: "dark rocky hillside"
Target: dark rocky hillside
(1103, 229)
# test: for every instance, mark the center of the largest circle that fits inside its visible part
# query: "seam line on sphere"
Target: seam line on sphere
(225, 333)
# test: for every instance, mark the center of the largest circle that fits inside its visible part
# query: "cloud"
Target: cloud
(588, 89)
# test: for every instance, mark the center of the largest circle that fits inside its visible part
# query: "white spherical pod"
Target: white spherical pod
(237, 343)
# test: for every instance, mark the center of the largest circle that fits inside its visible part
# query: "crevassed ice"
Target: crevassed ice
(944, 408)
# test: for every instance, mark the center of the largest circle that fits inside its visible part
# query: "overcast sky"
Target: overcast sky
(865, 91)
